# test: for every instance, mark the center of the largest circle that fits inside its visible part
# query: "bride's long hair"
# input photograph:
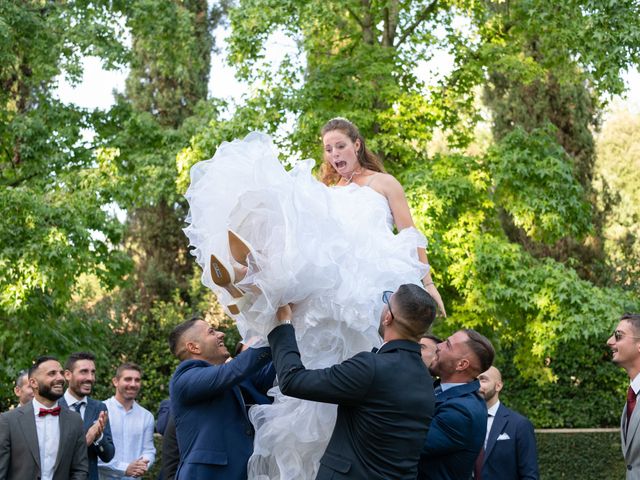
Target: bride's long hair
(366, 158)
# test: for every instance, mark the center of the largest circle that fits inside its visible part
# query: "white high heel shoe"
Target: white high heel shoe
(224, 275)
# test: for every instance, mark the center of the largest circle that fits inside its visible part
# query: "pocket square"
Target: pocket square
(503, 436)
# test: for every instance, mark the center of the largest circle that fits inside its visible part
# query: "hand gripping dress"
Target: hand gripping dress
(331, 251)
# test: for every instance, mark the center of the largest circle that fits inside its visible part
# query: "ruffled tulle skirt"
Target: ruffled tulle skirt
(329, 251)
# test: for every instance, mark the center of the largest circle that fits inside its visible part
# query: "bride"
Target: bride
(331, 250)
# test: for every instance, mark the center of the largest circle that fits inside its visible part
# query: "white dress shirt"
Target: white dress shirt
(635, 384)
(48, 429)
(491, 415)
(132, 433)
(71, 401)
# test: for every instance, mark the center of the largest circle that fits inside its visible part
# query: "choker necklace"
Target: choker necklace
(353, 174)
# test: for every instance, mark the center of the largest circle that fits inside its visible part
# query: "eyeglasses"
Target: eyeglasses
(386, 298)
(619, 335)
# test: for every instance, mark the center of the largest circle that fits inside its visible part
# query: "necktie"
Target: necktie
(477, 467)
(78, 406)
(631, 404)
(55, 411)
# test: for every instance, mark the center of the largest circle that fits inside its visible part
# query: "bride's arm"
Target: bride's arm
(399, 207)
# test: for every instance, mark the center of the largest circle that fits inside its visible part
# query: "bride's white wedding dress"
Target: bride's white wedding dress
(331, 251)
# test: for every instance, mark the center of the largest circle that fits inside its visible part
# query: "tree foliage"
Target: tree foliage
(54, 196)
(515, 232)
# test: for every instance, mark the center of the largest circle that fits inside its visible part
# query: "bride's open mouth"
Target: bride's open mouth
(340, 164)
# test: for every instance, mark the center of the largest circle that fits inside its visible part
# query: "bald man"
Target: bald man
(510, 445)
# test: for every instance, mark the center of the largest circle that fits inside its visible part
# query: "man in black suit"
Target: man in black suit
(80, 374)
(510, 446)
(385, 398)
(39, 439)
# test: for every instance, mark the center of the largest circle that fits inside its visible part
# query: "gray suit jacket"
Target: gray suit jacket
(19, 452)
(631, 442)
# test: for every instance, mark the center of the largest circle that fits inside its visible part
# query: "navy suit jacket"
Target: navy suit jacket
(511, 448)
(214, 434)
(385, 403)
(456, 434)
(104, 449)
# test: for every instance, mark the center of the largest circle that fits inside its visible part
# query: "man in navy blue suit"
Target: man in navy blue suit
(80, 374)
(458, 428)
(385, 398)
(212, 426)
(510, 446)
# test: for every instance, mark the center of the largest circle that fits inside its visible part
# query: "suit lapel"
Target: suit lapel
(631, 431)
(27, 422)
(89, 414)
(63, 426)
(238, 394)
(499, 422)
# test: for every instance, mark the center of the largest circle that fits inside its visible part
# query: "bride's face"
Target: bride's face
(341, 152)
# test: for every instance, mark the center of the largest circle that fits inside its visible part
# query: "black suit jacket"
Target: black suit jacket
(104, 449)
(20, 453)
(385, 404)
(511, 448)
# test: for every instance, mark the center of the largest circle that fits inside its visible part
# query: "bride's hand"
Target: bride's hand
(433, 291)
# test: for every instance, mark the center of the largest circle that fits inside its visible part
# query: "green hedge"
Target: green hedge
(587, 456)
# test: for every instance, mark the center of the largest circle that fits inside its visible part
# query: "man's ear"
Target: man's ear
(193, 347)
(114, 381)
(67, 375)
(463, 364)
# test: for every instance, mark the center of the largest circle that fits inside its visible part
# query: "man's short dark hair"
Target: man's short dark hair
(74, 357)
(21, 375)
(176, 335)
(416, 309)
(39, 361)
(482, 348)
(633, 319)
(431, 336)
(128, 366)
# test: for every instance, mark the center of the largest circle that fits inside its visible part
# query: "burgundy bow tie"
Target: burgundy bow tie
(55, 411)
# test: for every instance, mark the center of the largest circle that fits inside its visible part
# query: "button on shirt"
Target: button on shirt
(48, 429)
(132, 433)
(491, 415)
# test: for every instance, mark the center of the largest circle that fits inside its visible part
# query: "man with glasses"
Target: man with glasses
(385, 398)
(625, 350)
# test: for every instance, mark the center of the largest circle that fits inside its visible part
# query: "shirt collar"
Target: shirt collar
(121, 407)
(494, 409)
(37, 406)
(447, 386)
(71, 400)
(635, 384)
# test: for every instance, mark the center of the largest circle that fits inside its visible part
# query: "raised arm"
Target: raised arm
(394, 193)
(346, 383)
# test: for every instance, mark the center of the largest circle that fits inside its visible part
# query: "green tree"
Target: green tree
(54, 196)
(618, 164)
(506, 229)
